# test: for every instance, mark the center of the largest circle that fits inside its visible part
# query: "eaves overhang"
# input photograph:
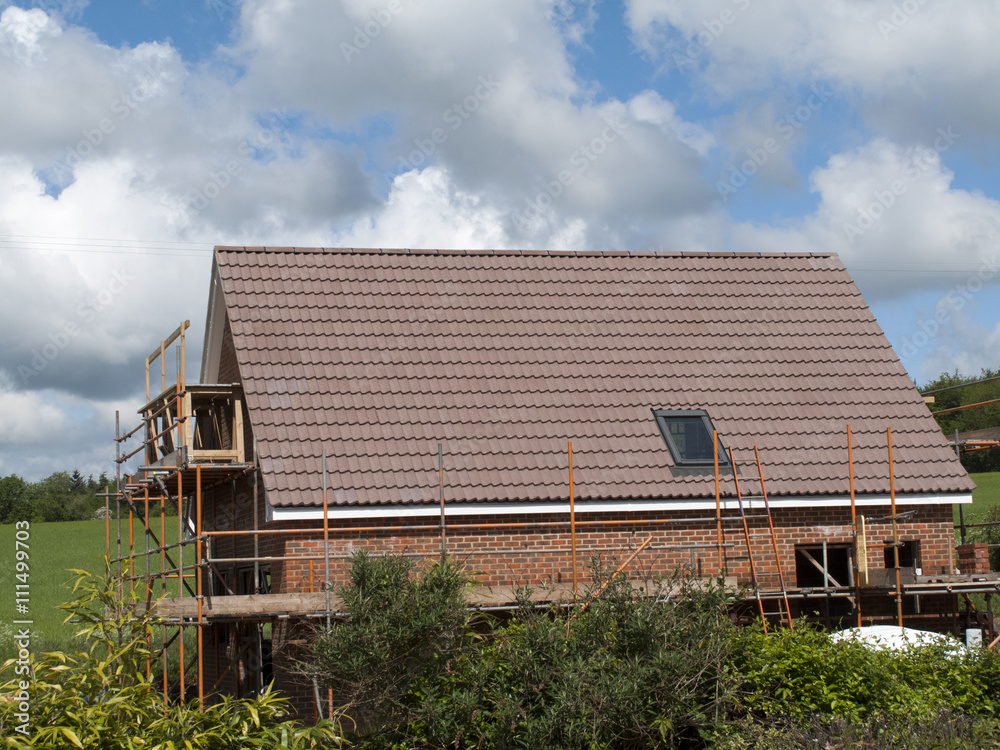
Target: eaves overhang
(313, 513)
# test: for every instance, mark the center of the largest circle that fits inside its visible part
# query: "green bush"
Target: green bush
(842, 692)
(100, 698)
(403, 631)
(628, 672)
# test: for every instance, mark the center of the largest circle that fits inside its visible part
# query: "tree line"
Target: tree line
(967, 420)
(61, 496)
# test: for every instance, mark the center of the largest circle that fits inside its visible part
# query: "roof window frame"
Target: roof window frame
(663, 417)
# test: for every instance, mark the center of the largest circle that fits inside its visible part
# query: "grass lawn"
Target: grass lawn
(54, 548)
(984, 497)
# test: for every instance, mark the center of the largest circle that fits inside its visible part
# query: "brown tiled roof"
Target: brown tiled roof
(377, 356)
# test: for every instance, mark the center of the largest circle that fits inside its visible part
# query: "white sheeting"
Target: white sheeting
(894, 637)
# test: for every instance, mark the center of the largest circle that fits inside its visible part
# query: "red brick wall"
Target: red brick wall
(541, 555)
(974, 558)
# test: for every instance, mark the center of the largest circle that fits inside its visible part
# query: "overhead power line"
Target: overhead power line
(43, 243)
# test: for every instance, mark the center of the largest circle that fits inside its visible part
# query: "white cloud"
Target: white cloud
(484, 91)
(25, 418)
(45, 431)
(650, 107)
(425, 211)
(903, 62)
(894, 217)
(760, 144)
(21, 31)
(949, 339)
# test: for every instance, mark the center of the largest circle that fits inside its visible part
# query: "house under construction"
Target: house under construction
(729, 414)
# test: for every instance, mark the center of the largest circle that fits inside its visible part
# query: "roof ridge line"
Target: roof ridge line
(519, 252)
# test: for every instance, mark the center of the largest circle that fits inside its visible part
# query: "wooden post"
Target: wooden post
(326, 544)
(118, 488)
(861, 550)
(163, 592)
(107, 519)
(131, 554)
(148, 598)
(180, 577)
(256, 511)
(961, 512)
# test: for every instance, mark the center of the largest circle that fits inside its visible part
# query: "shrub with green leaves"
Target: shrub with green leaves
(417, 671)
(844, 692)
(403, 631)
(100, 697)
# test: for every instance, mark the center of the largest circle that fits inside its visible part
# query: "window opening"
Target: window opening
(909, 554)
(688, 435)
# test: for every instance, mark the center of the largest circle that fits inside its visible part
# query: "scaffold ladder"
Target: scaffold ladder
(785, 614)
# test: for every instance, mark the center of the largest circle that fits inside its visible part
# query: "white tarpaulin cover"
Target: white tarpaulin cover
(894, 637)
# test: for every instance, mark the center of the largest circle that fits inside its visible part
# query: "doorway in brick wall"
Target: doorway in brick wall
(820, 568)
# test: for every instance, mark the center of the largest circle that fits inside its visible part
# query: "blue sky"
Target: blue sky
(137, 135)
(195, 28)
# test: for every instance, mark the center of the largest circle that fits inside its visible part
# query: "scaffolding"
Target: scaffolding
(969, 445)
(192, 440)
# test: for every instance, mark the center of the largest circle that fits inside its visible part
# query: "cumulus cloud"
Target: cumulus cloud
(894, 217)
(463, 118)
(898, 61)
(425, 210)
(484, 91)
(36, 426)
(92, 311)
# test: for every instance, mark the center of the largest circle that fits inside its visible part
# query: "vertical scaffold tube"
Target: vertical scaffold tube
(198, 585)
(572, 516)
(895, 534)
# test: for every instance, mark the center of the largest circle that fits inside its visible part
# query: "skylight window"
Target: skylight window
(688, 435)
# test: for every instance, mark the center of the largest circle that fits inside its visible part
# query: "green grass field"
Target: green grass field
(53, 549)
(984, 497)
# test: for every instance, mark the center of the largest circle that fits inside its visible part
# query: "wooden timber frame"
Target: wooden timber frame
(192, 439)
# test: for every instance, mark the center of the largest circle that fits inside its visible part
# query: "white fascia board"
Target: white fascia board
(627, 506)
